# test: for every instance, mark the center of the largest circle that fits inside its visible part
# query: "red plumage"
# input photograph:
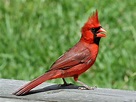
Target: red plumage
(77, 59)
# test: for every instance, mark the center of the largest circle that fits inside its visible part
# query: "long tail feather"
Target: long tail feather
(47, 76)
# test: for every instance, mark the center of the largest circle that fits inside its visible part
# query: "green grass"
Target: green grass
(33, 34)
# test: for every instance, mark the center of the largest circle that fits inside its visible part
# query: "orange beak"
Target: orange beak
(101, 32)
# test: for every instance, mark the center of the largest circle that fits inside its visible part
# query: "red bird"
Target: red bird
(76, 60)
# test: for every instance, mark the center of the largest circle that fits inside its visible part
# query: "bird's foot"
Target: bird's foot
(85, 87)
(66, 84)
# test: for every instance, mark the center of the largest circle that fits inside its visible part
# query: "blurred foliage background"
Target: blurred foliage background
(34, 33)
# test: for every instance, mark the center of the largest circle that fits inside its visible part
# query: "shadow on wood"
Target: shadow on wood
(54, 87)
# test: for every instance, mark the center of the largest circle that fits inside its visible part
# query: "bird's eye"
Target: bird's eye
(93, 29)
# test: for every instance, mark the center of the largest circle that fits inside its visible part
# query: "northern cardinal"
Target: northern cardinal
(76, 60)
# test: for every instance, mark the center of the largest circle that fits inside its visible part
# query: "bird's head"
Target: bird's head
(92, 31)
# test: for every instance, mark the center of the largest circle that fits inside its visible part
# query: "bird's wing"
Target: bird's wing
(70, 59)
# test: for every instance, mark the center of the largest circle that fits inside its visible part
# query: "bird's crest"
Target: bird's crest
(92, 22)
(94, 18)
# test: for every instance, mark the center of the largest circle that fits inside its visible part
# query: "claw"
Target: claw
(87, 88)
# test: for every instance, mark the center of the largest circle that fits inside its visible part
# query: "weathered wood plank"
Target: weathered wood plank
(54, 93)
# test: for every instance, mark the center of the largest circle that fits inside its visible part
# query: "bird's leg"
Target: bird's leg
(65, 83)
(85, 86)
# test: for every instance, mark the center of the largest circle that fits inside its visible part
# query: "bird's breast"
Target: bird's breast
(93, 48)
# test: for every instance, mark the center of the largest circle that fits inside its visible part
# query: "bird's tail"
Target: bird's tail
(47, 76)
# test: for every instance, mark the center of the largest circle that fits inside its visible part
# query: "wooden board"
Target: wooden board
(48, 92)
